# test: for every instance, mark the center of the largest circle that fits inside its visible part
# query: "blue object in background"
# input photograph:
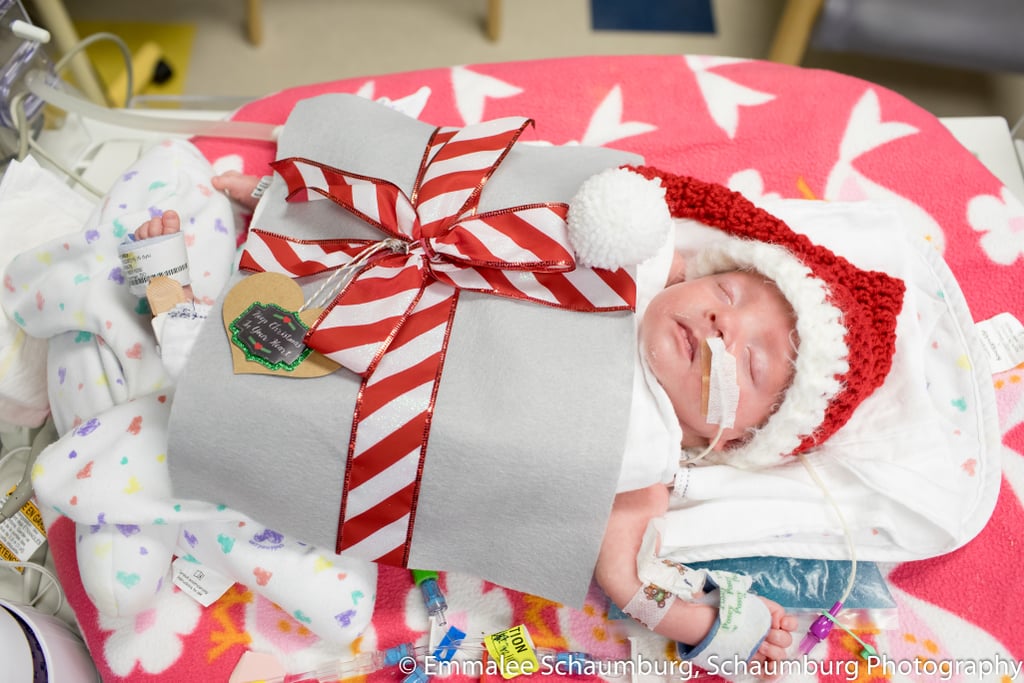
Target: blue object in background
(809, 584)
(685, 16)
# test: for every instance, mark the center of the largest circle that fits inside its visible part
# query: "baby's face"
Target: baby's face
(756, 324)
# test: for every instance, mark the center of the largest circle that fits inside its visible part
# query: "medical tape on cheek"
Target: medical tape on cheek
(722, 397)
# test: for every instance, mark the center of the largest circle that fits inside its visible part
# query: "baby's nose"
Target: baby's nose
(728, 325)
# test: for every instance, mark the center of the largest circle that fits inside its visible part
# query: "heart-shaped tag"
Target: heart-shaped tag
(265, 330)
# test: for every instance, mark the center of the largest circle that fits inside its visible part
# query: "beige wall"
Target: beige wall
(309, 41)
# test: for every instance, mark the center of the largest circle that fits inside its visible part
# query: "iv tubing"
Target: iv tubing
(35, 81)
(842, 521)
(710, 447)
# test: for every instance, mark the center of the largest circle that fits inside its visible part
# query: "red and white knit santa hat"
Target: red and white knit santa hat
(846, 316)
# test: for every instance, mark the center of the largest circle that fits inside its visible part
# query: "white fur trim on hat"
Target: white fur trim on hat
(618, 218)
(821, 356)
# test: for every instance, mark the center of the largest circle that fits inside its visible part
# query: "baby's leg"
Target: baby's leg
(167, 223)
(237, 187)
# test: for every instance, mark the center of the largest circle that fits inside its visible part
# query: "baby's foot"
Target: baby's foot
(169, 292)
(165, 224)
(238, 187)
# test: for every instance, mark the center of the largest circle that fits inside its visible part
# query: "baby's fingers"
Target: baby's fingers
(779, 638)
(774, 648)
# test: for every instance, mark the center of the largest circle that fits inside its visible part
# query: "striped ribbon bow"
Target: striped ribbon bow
(437, 236)
(390, 322)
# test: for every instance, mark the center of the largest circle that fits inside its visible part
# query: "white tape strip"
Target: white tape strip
(724, 391)
(649, 605)
(675, 578)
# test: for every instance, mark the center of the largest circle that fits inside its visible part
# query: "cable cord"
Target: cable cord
(22, 490)
(27, 143)
(710, 447)
(16, 503)
(17, 106)
(51, 582)
(126, 54)
(11, 453)
(842, 521)
(37, 83)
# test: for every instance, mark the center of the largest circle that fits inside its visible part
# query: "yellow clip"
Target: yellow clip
(513, 651)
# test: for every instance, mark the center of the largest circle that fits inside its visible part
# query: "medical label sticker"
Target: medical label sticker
(144, 260)
(513, 650)
(21, 534)
(1003, 339)
(202, 583)
(271, 336)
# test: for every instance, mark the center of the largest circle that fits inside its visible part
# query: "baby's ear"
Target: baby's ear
(677, 271)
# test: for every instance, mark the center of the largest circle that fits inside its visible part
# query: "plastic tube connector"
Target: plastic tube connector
(433, 598)
(27, 31)
(417, 675)
(393, 656)
(819, 630)
(363, 664)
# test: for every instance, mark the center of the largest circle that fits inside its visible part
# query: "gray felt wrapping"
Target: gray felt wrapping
(530, 418)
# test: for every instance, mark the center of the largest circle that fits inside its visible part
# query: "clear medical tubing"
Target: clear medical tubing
(36, 83)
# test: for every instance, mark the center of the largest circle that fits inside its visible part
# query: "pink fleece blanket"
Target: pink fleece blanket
(764, 129)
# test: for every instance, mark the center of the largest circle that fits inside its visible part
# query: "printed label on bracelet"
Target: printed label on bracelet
(271, 336)
(146, 259)
(513, 651)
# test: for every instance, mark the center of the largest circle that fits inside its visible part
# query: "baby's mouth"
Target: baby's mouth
(691, 341)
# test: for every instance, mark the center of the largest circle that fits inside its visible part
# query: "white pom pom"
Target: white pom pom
(618, 218)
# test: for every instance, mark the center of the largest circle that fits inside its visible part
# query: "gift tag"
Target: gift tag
(265, 329)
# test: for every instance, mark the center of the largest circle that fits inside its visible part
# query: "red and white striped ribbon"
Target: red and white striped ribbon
(390, 321)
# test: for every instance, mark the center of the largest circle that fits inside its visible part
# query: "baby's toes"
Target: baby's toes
(170, 222)
(151, 228)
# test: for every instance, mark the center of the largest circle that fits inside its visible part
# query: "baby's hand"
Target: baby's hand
(779, 639)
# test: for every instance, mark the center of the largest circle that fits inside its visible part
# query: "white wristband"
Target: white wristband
(649, 605)
(146, 259)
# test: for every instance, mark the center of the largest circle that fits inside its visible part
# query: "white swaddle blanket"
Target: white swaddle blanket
(29, 218)
(111, 397)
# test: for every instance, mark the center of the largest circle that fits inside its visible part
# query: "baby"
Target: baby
(729, 293)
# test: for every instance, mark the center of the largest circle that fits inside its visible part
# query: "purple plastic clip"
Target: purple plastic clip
(819, 630)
